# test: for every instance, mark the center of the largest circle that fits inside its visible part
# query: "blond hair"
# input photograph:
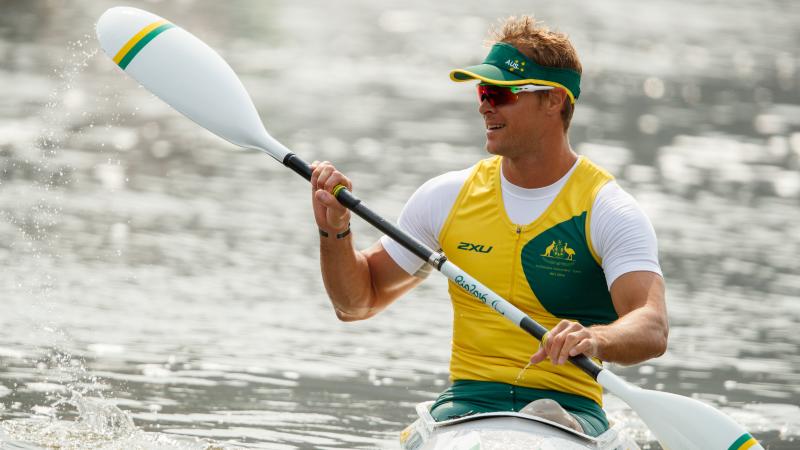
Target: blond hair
(543, 46)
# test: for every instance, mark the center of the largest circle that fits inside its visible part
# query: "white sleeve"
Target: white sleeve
(423, 217)
(622, 235)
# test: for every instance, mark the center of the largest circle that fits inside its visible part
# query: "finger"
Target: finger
(314, 176)
(556, 344)
(567, 338)
(336, 179)
(555, 340)
(318, 169)
(560, 327)
(548, 337)
(584, 347)
(539, 356)
(572, 339)
(325, 171)
(573, 333)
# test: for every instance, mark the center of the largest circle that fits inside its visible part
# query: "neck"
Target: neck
(542, 166)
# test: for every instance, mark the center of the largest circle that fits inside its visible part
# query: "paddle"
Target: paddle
(191, 77)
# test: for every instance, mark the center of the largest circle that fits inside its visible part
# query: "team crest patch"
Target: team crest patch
(560, 251)
(564, 276)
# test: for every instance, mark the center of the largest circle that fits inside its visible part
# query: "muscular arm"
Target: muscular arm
(639, 334)
(641, 331)
(359, 283)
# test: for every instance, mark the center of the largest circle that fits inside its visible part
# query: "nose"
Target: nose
(485, 107)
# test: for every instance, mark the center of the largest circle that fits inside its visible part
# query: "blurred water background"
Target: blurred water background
(160, 289)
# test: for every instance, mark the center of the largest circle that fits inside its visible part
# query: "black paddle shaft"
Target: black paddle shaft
(416, 247)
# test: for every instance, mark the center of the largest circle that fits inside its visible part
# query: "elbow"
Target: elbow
(357, 307)
(661, 341)
(345, 316)
(354, 314)
(660, 347)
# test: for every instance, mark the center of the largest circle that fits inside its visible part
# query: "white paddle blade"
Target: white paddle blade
(186, 73)
(681, 423)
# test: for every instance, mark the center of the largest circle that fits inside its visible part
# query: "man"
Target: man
(544, 228)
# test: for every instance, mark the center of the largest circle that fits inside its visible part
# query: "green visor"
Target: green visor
(507, 66)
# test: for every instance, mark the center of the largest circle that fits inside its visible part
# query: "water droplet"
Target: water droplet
(649, 123)
(654, 87)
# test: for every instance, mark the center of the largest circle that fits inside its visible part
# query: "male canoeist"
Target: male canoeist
(544, 228)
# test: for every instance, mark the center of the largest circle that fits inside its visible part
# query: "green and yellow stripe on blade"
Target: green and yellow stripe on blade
(131, 48)
(744, 442)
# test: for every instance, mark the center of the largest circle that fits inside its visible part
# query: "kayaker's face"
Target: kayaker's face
(512, 127)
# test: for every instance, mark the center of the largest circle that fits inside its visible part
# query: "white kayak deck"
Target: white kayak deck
(503, 431)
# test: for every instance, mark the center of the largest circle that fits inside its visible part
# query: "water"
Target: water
(161, 289)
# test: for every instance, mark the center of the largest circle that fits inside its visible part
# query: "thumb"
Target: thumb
(326, 198)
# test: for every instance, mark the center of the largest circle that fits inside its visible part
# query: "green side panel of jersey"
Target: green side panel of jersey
(565, 277)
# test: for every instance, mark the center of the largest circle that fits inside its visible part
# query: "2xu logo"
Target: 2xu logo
(470, 247)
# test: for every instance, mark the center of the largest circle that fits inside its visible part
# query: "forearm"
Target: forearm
(359, 283)
(637, 336)
(346, 275)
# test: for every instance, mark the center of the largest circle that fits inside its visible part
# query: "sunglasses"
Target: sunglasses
(503, 95)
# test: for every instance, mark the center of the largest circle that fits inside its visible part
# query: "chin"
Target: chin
(493, 149)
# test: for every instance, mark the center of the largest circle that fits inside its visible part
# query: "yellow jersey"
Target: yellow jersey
(547, 268)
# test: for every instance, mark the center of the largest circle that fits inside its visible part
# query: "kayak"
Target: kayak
(504, 431)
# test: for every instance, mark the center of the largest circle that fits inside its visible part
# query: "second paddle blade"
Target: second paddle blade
(680, 422)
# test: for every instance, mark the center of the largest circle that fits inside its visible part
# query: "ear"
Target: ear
(555, 101)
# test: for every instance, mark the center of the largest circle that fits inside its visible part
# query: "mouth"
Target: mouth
(494, 127)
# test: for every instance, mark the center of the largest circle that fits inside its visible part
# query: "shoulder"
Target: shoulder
(423, 216)
(445, 184)
(612, 200)
(439, 192)
(622, 234)
(617, 215)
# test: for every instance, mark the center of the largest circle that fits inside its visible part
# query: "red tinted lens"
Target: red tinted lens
(496, 95)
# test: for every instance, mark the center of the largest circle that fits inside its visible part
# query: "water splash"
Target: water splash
(521, 373)
(100, 417)
(100, 424)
